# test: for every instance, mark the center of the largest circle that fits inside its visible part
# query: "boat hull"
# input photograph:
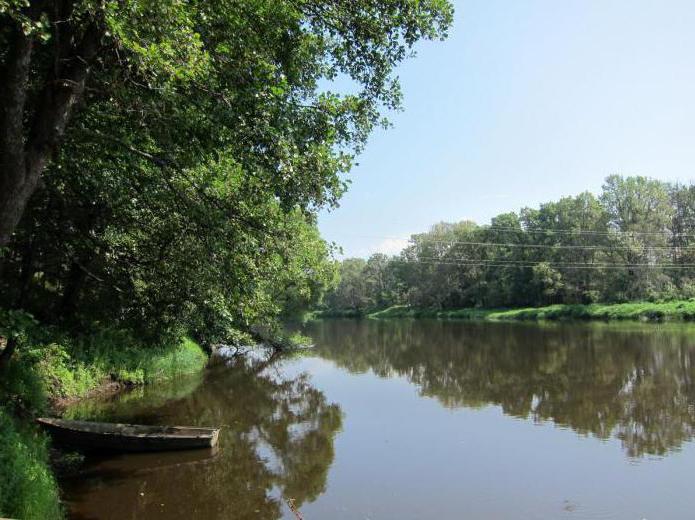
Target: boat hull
(128, 437)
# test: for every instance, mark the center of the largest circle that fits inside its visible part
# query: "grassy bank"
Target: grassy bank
(50, 367)
(336, 313)
(642, 311)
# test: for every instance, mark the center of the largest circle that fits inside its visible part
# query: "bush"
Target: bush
(21, 387)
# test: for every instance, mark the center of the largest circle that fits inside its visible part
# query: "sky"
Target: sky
(525, 102)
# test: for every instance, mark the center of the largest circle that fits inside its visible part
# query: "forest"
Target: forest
(635, 241)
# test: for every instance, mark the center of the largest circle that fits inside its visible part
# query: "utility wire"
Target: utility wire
(474, 263)
(565, 246)
(591, 247)
(579, 232)
(536, 262)
(612, 232)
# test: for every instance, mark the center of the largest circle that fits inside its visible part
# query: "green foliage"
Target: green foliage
(21, 387)
(27, 488)
(184, 194)
(636, 241)
(15, 324)
(363, 286)
(54, 365)
(185, 358)
(351, 293)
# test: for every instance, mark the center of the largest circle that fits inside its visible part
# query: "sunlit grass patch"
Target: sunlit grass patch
(644, 311)
(28, 489)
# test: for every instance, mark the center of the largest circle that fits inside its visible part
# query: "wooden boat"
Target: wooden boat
(128, 437)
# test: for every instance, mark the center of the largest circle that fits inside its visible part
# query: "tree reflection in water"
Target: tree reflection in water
(276, 443)
(634, 382)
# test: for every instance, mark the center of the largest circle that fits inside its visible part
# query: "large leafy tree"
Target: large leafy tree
(639, 209)
(175, 81)
(172, 154)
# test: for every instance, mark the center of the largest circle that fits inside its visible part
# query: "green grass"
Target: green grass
(642, 311)
(56, 367)
(335, 313)
(28, 489)
(403, 311)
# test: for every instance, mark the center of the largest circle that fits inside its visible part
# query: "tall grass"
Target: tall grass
(57, 366)
(28, 489)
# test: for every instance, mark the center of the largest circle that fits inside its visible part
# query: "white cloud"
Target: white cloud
(391, 246)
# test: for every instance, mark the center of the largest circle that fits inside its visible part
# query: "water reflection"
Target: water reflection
(632, 382)
(276, 443)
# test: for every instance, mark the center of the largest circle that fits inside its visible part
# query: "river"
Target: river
(419, 420)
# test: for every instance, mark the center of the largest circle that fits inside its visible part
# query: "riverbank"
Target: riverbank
(49, 369)
(683, 310)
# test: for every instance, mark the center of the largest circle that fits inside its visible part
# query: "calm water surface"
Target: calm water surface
(421, 419)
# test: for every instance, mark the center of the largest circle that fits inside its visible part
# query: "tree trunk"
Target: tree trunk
(25, 150)
(14, 190)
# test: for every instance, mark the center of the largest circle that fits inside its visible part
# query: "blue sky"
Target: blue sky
(527, 101)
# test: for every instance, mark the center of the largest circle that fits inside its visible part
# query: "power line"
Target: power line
(565, 246)
(580, 232)
(536, 262)
(593, 247)
(477, 263)
(612, 232)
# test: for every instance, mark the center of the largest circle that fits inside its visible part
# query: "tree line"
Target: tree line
(162, 163)
(634, 241)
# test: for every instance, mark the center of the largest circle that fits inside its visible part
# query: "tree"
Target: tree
(682, 228)
(182, 80)
(351, 291)
(639, 209)
(572, 232)
(382, 284)
(431, 279)
(169, 157)
(547, 282)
